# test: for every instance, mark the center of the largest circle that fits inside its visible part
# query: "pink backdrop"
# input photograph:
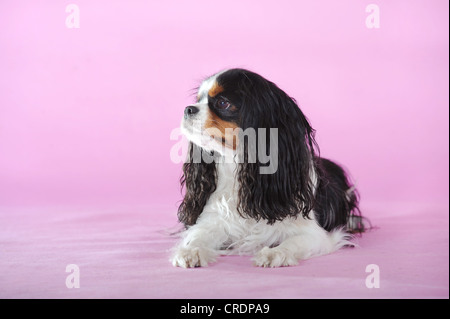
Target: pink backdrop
(86, 113)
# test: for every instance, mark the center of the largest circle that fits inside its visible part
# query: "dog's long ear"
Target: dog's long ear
(199, 180)
(289, 190)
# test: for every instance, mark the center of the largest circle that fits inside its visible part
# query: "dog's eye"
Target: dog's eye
(222, 104)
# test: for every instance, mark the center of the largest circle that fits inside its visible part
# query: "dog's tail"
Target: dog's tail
(356, 223)
(337, 200)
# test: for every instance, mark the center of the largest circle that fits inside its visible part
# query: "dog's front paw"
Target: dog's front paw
(274, 257)
(192, 257)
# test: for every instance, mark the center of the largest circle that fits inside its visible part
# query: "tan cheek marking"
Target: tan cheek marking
(216, 89)
(216, 127)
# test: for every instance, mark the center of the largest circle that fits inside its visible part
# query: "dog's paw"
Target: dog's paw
(192, 257)
(274, 257)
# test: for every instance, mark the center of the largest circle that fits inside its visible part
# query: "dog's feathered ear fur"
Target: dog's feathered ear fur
(275, 196)
(199, 180)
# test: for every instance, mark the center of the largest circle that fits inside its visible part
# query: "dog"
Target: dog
(280, 208)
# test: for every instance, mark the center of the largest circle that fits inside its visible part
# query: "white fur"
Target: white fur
(220, 230)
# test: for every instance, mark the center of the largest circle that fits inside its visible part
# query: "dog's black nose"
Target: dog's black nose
(190, 110)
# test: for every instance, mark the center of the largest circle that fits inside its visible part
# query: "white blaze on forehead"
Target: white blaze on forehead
(206, 85)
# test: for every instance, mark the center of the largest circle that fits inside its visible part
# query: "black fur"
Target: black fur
(200, 182)
(336, 199)
(288, 192)
(275, 196)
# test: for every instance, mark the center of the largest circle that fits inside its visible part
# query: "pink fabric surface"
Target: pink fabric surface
(124, 252)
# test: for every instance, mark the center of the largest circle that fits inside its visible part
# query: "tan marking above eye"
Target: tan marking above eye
(215, 89)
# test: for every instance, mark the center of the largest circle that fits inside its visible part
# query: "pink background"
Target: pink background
(86, 114)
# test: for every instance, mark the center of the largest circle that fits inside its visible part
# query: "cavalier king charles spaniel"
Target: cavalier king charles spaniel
(254, 181)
